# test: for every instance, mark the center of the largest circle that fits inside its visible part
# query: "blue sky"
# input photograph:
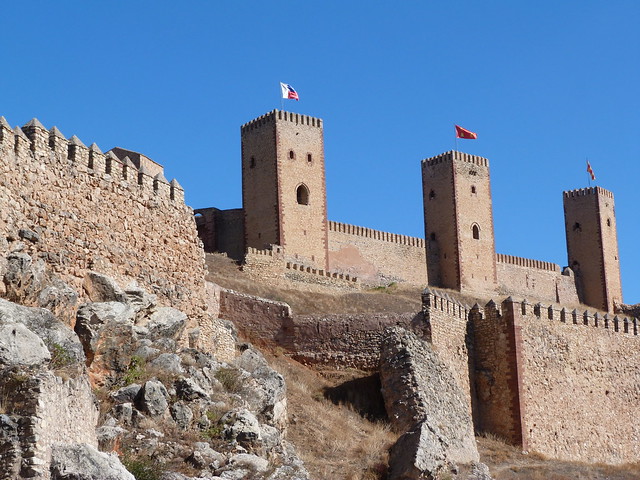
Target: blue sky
(545, 85)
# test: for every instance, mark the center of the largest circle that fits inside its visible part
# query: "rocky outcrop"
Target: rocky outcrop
(424, 401)
(84, 462)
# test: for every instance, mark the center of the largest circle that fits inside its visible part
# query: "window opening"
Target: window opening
(302, 195)
(309, 158)
(292, 155)
(476, 232)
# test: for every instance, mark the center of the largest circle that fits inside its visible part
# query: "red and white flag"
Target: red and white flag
(464, 133)
(590, 170)
(288, 91)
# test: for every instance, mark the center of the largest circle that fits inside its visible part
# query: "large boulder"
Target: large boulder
(268, 394)
(424, 400)
(20, 346)
(100, 288)
(58, 337)
(84, 462)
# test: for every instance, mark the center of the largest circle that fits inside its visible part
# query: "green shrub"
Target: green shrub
(230, 378)
(135, 371)
(143, 468)
(60, 356)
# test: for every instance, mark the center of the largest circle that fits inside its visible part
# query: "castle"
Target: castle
(283, 224)
(543, 373)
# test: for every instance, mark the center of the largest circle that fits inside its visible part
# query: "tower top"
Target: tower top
(274, 115)
(581, 192)
(455, 155)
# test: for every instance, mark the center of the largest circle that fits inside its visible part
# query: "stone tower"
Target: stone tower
(283, 185)
(459, 222)
(592, 246)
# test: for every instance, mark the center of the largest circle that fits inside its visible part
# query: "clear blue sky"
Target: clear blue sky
(545, 85)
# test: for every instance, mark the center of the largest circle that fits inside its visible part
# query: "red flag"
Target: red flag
(590, 170)
(464, 133)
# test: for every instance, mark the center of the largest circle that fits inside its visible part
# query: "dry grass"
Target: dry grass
(333, 440)
(226, 273)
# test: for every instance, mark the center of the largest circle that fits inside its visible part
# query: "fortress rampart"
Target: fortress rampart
(91, 211)
(535, 374)
(376, 257)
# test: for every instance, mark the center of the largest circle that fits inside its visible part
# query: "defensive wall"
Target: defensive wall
(80, 209)
(377, 257)
(343, 340)
(555, 380)
(535, 279)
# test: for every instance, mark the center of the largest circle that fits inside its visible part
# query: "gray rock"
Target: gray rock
(29, 235)
(84, 462)
(10, 448)
(251, 462)
(241, 425)
(23, 278)
(167, 362)
(92, 318)
(188, 389)
(204, 456)
(152, 398)
(123, 412)
(181, 414)
(126, 394)
(265, 390)
(100, 288)
(20, 346)
(479, 471)
(167, 322)
(146, 352)
(59, 298)
(53, 333)
(139, 299)
(109, 436)
(423, 399)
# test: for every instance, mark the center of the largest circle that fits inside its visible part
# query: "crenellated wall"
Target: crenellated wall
(552, 379)
(91, 211)
(376, 257)
(535, 279)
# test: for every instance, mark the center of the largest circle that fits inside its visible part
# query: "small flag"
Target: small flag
(590, 170)
(288, 91)
(464, 133)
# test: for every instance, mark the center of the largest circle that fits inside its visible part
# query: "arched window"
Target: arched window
(475, 231)
(302, 194)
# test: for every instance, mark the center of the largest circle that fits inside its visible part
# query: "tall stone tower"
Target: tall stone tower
(592, 246)
(283, 185)
(459, 222)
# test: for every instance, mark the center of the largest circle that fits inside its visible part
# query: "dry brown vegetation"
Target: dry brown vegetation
(335, 441)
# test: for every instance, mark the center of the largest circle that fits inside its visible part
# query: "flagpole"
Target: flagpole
(588, 174)
(455, 136)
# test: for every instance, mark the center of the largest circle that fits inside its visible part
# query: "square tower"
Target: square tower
(283, 185)
(592, 246)
(458, 222)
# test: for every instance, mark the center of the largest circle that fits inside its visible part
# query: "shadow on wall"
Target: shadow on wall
(362, 395)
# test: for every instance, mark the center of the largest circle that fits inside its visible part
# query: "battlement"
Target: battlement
(375, 234)
(35, 138)
(274, 115)
(320, 272)
(581, 192)
(452, 155)
(527, 262)
(434, 299)
(539, 311)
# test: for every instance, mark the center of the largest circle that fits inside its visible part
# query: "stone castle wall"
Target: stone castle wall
(554, 380)
(344, 340)
(90, 211)
(535, 279)
(377, 257)
(580, 375)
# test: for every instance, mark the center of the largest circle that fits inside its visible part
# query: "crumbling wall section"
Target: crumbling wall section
(47, 410)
